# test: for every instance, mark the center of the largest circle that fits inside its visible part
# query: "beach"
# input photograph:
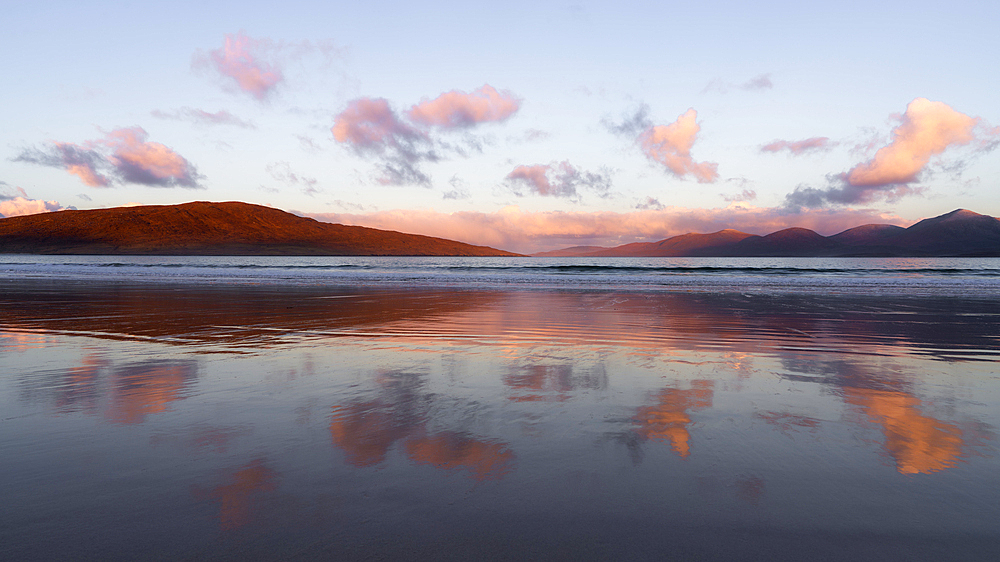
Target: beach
(458, 410)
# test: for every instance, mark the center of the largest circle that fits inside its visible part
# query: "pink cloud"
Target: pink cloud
(240, 60)
(370, 123)
(927, 128)
(148, 163)
(81, 162)
(670, 145)
(372, 128)
(536, 178)
(87, 175)
(455, 109)
(122, 156)
(797, 148)
(17, 206)
(528, 232)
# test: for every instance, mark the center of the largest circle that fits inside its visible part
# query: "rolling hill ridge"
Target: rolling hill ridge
(960, 233)
(204, 228)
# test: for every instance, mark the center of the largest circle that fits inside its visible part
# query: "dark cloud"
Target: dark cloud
(650, 204)
(202, 117)
(78, 160)
(532, 135)
(632, 123)
(840, 192)
(282, 171)
(757, 83)
(7, 193)
(465, 145)
(402, 172)
(558, 180)
(745, 195)
(308, 144)
(458, 190)
(796, 148)
(456, 194)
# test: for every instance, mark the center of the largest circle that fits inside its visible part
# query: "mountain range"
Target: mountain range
(960, 233)
(203, 228)
(235, 228)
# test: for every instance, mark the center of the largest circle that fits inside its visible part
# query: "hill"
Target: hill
(955, 234)
(204, 228)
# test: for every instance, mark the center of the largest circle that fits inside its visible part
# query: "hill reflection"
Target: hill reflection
(248, 317)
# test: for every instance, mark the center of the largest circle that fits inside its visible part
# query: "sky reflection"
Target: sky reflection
(395, 413)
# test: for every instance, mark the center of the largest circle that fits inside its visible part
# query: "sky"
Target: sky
(527, 126)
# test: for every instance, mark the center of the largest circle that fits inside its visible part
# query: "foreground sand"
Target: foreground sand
(154, 421)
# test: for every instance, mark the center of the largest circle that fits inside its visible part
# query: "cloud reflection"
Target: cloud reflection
(485, 460)
(552, 383)
(367, 431)
(141, 389)
(238, 497)
(669, 419)
(917, 442)
(126, 394)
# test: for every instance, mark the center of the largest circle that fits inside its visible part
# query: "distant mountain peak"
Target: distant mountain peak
(960, 213)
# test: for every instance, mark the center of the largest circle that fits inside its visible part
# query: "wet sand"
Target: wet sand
(157, 421)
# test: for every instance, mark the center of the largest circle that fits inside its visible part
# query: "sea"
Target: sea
(419, 408)
(934, 275)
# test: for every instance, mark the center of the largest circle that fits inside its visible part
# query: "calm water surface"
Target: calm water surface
(290, 415)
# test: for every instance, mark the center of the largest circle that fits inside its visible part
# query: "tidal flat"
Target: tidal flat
(152, 421)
